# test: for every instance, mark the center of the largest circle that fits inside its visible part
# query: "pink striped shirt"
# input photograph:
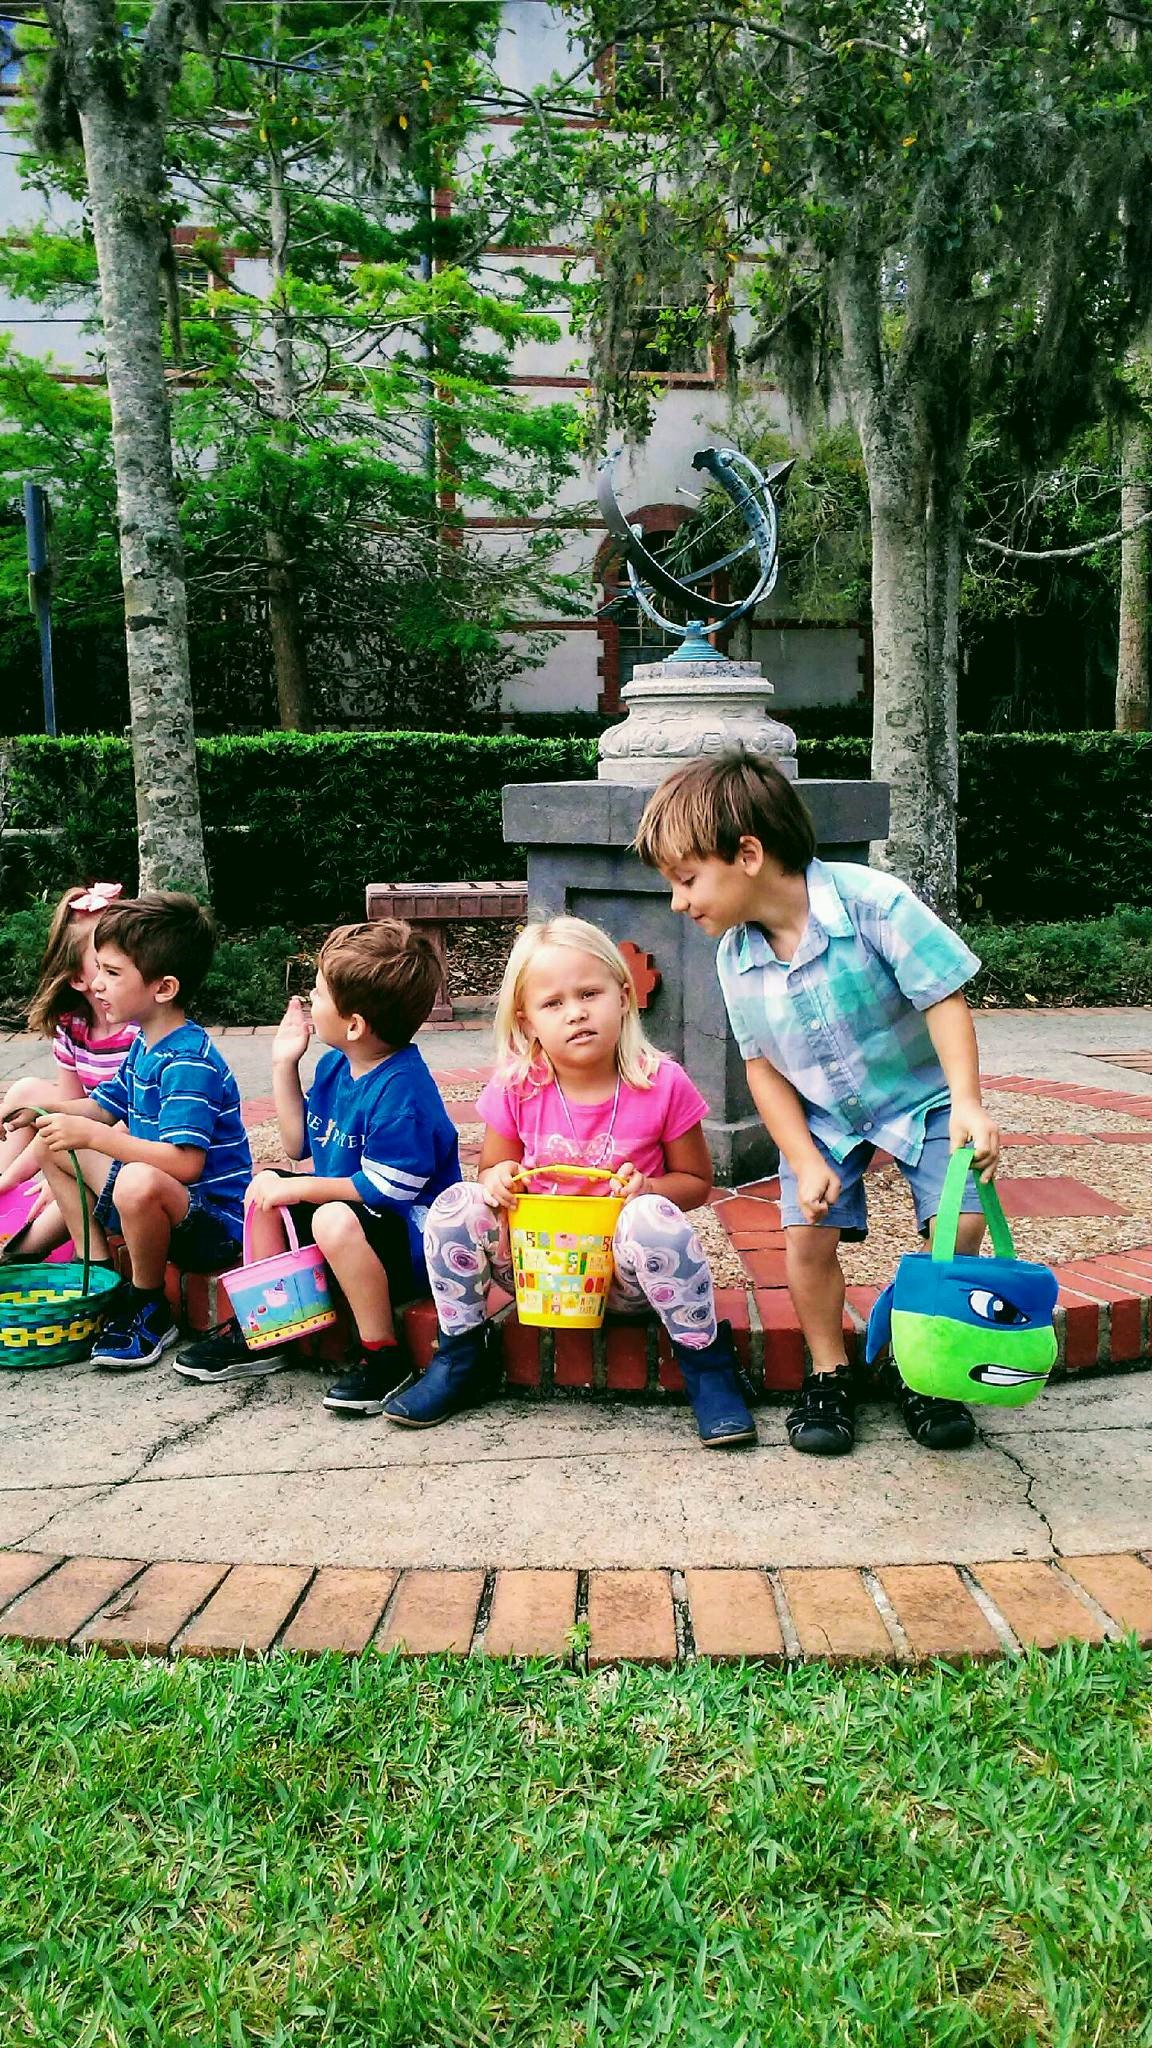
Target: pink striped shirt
(79, 1049)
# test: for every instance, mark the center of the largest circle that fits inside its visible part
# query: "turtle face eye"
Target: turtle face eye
(992, 1308)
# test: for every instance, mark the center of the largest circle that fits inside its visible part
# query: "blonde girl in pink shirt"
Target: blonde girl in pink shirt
(578, 1084)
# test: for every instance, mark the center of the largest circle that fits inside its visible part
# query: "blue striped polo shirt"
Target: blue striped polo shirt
(181, 1091)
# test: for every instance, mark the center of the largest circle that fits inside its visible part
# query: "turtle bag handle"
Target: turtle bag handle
(948, 1214)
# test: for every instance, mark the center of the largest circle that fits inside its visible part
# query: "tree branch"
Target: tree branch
(1088, 547)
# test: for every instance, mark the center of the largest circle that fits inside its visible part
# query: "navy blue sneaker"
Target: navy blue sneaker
(135, 1335)
(716, 1389)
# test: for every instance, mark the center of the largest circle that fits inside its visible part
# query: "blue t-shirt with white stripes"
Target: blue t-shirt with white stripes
(388, 1132)
(181, 1091)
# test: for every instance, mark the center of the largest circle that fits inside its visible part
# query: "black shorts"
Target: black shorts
(205, 1242)
(387, 1237)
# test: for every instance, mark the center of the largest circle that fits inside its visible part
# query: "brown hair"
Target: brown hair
(63, 959)
(707, 808)
(162, 932)
(384, 972)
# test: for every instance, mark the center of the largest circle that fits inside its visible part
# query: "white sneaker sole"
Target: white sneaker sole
(255, 1368)
(115, 1364)
(356, 1407)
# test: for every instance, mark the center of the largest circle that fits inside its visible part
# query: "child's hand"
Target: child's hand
(817, 1187)
(272, 1191)
(64, 1133)
(20, 1119)
(628, 1182)
(295, 1029)
(970, 1124)
(499, 1184)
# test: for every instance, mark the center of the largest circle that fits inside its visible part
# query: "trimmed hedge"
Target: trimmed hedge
(1051, 826)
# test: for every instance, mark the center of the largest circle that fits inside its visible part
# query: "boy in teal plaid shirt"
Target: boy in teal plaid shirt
(844, 993)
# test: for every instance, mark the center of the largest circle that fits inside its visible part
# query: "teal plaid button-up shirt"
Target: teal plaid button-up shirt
(842, 1019)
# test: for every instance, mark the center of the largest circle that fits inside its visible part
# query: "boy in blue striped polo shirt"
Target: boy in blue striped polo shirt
(844, 993)
(162, 1144)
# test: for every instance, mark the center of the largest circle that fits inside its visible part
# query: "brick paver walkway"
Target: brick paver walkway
(900, 1614)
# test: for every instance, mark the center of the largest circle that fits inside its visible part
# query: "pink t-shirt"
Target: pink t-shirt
(93, 1057)
(647, 1119)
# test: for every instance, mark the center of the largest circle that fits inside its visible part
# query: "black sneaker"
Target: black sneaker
(938, 1425)
(823, 1420)
(365, 1387)
(223, 1355)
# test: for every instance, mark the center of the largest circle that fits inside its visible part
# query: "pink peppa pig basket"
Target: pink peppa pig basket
(276, 1300)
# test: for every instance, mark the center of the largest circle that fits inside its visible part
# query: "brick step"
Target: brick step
(1103, 1319)
(896, 1614)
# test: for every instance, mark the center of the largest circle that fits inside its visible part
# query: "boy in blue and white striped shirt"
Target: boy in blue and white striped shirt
(381, 1144)
(845, 997)
(162, 1144)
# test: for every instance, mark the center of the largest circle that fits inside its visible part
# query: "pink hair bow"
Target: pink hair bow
(99, 897)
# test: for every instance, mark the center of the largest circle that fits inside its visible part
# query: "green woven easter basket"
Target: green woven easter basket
(49, 1315)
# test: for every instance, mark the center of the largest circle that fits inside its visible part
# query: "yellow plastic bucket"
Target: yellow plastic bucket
(562, 1252)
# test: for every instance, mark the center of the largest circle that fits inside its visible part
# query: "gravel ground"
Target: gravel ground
(1034, 1113)
(477, 953)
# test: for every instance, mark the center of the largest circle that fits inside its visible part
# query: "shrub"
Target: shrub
(1050, 825)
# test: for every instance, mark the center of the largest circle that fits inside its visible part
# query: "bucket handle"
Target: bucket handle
(85, 1198)
(948, 1212)
(285, 1215)
(528, 1173)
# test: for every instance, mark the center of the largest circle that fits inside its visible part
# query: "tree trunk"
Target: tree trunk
(916, 554)
(123, 140)
(912, 445)
(288, 649)
(1132, 691)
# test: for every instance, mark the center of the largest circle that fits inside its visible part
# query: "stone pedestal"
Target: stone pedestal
(578, 838)
(680, 709)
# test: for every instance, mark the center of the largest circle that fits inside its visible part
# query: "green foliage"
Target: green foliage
(1051, 825)
(333, 423)
(347, 1853)
(295, 825)
(1101, 960)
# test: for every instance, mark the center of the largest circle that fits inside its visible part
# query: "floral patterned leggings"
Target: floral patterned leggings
(659, 1261)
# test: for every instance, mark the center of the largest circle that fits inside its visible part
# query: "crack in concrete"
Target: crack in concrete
(1031, 1479)
(186, 1433)
(98, 1494)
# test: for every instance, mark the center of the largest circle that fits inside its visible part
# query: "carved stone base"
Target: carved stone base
(680, 710)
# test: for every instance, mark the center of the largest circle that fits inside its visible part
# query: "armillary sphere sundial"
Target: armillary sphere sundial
(751, 493)
(698, 701)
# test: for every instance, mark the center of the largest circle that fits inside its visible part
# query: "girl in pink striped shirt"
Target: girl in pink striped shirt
(85, 1050)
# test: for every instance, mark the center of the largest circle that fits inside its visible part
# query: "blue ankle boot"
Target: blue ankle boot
(459, 1376)
(715, 1386)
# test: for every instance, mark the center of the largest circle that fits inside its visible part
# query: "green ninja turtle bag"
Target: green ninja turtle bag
(968, 1329)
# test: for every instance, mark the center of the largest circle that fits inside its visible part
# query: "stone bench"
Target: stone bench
(429, 906)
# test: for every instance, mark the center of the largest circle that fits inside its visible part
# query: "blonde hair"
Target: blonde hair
(520, 1058)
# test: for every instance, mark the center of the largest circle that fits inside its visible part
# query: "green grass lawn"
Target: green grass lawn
(382, 1852)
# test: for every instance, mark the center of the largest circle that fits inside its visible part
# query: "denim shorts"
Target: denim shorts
(205, 1242)
(849, 1212)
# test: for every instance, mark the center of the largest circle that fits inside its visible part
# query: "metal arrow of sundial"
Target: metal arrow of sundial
(752, 494)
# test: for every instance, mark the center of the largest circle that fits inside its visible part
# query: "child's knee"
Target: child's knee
(140, 1187)
(23, 1094)
(652, 1219)
(336, 1227)
(462, 1203)
(811, 1250)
